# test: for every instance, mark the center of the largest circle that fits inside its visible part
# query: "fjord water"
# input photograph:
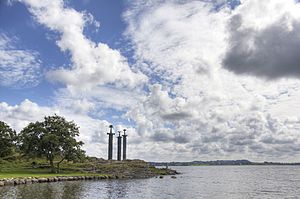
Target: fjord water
(194, 182)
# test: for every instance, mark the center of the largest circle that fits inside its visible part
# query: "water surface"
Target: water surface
(194, 182)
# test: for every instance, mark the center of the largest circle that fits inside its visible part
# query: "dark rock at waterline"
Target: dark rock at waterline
(9, 182)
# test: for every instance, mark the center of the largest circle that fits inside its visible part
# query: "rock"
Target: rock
(173, 177)
(41, 180)
(34, 180)
(1, 183)
(161, 176)
(50, 179)
(28, 181)
(61, 179)
(9, 182)
(22, 181)
(16, 182)
(70, 178)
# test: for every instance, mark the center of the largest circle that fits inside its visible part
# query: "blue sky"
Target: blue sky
(207, 79)
(17, 21)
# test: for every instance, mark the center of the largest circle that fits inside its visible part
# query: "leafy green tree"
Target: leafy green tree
(7, 139)
(54, 138)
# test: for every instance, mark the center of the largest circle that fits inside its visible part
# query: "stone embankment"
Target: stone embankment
(30, 180)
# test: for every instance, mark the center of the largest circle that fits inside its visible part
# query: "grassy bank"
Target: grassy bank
(41, 173)
(23, 168)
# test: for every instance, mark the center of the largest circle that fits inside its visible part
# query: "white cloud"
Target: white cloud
(216, 112)
(190, 27)
(100, 78)
(19, 116)
(194, 109)
(264, 39)
(92, 131)
(93, 64)
(18, 67)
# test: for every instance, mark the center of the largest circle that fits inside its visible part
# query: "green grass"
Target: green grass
(42, 174)
(23, 169)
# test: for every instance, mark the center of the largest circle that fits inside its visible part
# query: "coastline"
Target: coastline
(129, 169)
(32, 180)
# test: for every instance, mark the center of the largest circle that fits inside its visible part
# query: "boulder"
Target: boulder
(41, 180)
(50, 179)
(16, 182)
(70, 178)
(9, 182)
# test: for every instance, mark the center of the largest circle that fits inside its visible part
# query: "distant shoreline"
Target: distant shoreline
(221, 163)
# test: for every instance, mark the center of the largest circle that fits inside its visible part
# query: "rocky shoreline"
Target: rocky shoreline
(31, 180)
(98, 170)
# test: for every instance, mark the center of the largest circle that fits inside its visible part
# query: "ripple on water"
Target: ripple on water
(194, 182)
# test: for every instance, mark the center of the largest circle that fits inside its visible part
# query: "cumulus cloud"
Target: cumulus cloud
(19, 116)
(93, 64)
(18, 67)
(188, 26)
(192, 107)
(214, 111)
(100, 78)
(92, 131)
(264, 39)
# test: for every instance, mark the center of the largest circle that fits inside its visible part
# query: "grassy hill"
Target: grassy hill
(22, 168)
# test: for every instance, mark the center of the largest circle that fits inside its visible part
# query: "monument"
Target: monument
(124, 144)
(119, 146)
(110, 142)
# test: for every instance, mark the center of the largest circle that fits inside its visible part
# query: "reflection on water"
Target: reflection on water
(115, 189)
(44, 190)
(195, 182)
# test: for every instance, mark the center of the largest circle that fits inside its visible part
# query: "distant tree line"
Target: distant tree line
(52, 139)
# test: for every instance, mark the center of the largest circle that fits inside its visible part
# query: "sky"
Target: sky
(189, 80)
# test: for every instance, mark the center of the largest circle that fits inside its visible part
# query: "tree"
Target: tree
(54, 138)
(7, 138)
